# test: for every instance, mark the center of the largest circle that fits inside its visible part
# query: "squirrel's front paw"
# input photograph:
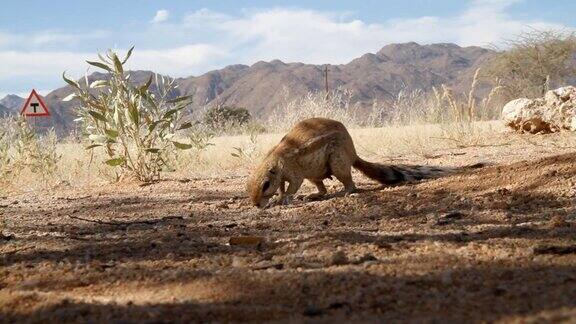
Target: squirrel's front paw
(277, 201)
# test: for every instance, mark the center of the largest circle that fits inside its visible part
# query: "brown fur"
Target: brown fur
(316, 149)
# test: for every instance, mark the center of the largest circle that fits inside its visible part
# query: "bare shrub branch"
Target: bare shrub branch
(534, 61)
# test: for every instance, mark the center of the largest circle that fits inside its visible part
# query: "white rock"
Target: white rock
(554, 112)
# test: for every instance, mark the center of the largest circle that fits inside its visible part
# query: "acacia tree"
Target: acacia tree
(534, 62)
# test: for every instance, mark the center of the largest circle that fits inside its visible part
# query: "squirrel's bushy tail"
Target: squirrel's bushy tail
(392, 174)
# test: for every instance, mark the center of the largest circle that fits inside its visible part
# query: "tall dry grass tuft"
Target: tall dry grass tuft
(338, 105)
(438, 106)
(26, 155)
(439, 114)
(459, 123)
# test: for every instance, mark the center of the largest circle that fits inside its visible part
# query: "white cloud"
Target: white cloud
(308, 36)
(178, 61)
(55, 37)
(40, 64)
(47, 38)
(161, 16)
(318, 37)
(205, 16)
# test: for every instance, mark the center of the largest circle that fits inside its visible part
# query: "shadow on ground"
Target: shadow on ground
(482, 291)
(139, 257)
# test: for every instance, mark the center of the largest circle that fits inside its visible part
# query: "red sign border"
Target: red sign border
(34, 93)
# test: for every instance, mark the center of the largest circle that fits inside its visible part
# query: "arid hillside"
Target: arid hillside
(370, 77)
(264, 86)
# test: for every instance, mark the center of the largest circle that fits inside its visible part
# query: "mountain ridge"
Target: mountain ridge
(12, 102)
(258, 87)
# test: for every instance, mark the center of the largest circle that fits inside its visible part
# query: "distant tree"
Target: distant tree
(534, 62)
(226, 117)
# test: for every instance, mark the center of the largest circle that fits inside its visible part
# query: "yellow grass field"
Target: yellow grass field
(77, 168)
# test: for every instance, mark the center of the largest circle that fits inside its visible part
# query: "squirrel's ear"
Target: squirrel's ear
(292, 153)
(273, 171)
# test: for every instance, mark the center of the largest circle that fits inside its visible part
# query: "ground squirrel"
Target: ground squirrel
(316, 149)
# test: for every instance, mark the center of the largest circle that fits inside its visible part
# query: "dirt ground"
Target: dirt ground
(493, 244)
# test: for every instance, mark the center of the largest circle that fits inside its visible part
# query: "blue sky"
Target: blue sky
(40, 39)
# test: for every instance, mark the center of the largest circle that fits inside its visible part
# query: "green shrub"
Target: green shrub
(136, 128)
(223, 118)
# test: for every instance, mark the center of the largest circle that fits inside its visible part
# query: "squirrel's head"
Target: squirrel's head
(264, 183)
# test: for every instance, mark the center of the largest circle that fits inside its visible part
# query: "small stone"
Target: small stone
(238, 262)
(558, 221)
(366, 258)
(338, 258)
(268, 266)
(313, 311)
(222, 205)
(555, 249)
(29, 284)
(246, 240)
(453, 215)
(381, 244)
(445, 219)
(8, 237)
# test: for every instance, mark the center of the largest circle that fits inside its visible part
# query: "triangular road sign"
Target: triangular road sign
(34, 106)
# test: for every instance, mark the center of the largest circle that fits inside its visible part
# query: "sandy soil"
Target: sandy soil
(494, 244)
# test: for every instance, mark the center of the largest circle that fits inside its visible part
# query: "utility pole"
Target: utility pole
(326, 81)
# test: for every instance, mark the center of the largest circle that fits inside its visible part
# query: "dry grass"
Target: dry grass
(379, 144)
(78, 168)
(337, 105)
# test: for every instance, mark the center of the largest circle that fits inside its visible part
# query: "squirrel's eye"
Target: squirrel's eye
(265, 185)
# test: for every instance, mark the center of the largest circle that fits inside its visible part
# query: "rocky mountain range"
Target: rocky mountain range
(265, 85)
(12, 102)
